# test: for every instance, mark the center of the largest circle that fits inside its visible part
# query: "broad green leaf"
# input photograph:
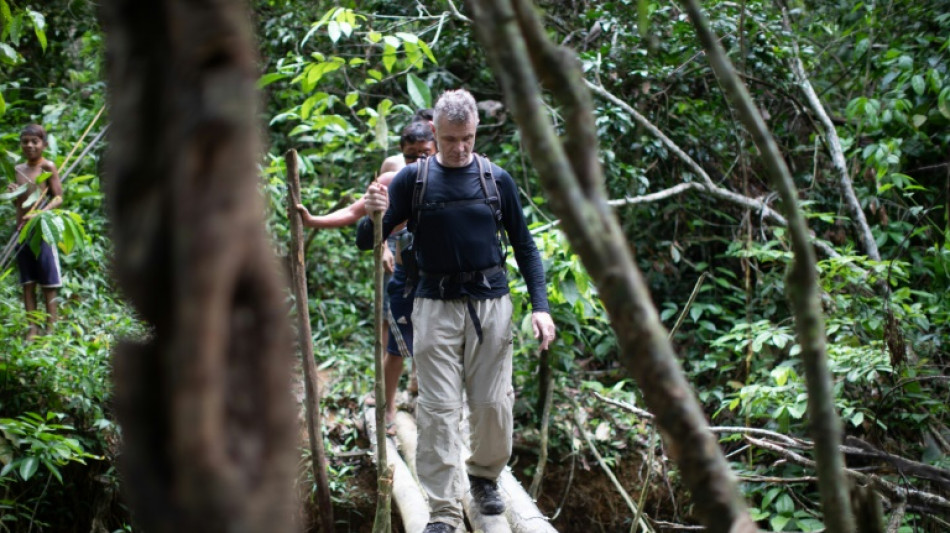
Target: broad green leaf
(27, 229)
(39, 26)
(777, 522)
(389, 58)
(59, 226)
(392, 41)
(374, 37)
(69, 239)
(5, 18)
(382, 132)
(346, 28)
(269, 78)
(14, 193)
(569, 291)
(918, 83)
(8, 55)
(43, 177)
(375, 74)
(419, 92)
(307, 107)
(857, 419)
(28, 468)
(408, 37)
(53, 470)
(31, 199)
(933, 78)
(48, 231)
(943, 102)
(3, 105)
(351, 99)
(413, 55)
(428, 52)
(784, 505)
(16, 28)
(333, 29)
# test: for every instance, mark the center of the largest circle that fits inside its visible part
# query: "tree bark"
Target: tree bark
(802, 287)
(298, 272)
(834, 149)
(204, 405)
(577, 195)
(545, 397)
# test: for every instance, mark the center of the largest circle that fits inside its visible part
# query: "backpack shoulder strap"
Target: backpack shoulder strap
(494, 200)
(493, 196)
(418, 193)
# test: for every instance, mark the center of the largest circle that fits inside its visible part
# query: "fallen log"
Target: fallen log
(523, 515)
(407, 439)
(410, 501)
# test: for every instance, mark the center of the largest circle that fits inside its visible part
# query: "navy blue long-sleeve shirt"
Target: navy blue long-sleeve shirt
(460, 238)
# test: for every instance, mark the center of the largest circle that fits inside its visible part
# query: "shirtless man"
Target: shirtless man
(416, 141)
(42, 269)
(394, 163)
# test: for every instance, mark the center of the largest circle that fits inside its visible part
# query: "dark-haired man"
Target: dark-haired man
(416, 141)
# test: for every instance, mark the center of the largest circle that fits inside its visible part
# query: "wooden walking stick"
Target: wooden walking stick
(298, 273)
(385, 473)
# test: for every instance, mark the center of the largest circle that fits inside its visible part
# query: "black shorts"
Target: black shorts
(401, 307)
(42, 269)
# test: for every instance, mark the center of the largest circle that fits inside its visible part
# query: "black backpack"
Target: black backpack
(418, 205)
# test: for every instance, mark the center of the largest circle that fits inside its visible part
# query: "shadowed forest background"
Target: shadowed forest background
(337, 83)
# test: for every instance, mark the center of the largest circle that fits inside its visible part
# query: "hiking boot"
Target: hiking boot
(486, 495)
(438, 527)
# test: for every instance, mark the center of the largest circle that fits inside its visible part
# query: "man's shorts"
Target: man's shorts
(401, 306)
(386, 277)
(42, 270)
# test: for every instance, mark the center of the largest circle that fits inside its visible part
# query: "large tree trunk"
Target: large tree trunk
(577, 194)
(204, 403)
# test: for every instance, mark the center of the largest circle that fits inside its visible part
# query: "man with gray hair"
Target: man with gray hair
(460, 207)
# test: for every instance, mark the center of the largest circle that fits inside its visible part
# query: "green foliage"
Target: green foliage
(339, 87)
(31, 441)
(325, 80)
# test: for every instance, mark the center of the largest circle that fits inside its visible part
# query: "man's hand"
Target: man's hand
(388, 260)
(305, 215)
(377, 198)
(12, 187)
(544, 329)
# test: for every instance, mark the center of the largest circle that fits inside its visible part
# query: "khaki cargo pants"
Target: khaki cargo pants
(450, 359)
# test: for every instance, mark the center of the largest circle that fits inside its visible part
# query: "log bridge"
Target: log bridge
(521, 514)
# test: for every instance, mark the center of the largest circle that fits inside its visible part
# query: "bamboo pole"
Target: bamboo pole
(304, 339)
(382, 524)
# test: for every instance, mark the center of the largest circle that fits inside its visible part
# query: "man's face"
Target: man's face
(32, 147)
(456, 141)
(412, 152)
